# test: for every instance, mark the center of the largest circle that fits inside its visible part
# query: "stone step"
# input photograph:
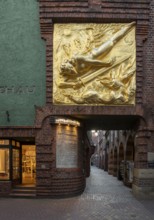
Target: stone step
(23, 187)
(22, 195)
(33, 191)
(23, 192)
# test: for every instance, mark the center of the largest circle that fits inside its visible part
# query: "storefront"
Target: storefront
(17, 162)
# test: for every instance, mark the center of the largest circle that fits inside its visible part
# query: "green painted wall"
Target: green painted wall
(22, 62)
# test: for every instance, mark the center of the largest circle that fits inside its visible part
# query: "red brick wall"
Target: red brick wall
(102, 11)
(95, 11)
(52, 181)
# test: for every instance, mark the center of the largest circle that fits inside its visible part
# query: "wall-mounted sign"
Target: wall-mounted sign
(17, 90)
(67, 147)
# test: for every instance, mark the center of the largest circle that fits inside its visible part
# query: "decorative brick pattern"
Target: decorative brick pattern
(52, 181)
(17, 132)
(95, 11)
(102, 11)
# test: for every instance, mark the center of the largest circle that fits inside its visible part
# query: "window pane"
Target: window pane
(17, 144)
(13, 143)
(4, 142)
(4, 164)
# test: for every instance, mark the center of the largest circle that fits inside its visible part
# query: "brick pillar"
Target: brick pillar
(87, 156)
(110, 163)
(120, 159)
(45, 141)
(143, 181)
(105, 161)
(115, 163)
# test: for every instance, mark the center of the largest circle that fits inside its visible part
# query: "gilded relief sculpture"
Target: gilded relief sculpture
(94, 64)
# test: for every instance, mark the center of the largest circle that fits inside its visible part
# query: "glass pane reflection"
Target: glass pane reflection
(4, 164)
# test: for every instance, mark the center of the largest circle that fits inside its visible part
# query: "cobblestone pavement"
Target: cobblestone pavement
(105, 198)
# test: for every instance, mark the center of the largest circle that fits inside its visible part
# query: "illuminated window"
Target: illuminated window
(4, 142)
(13, 143)
(4, 164)
(17, 144)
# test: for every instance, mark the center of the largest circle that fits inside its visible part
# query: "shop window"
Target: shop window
(17, 144)
(4, 164)
(4, 142)
(13, 143)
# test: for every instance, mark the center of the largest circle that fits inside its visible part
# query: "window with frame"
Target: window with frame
(4, 164)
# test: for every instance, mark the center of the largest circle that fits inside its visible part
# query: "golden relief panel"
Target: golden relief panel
(94, 64)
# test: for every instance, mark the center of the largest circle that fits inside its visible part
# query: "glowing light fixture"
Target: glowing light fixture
(67, 122)
(96, 133)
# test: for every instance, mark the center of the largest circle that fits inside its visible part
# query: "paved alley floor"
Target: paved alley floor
(105, 198)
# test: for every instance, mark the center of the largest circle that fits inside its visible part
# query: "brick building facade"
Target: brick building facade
(52, 179)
